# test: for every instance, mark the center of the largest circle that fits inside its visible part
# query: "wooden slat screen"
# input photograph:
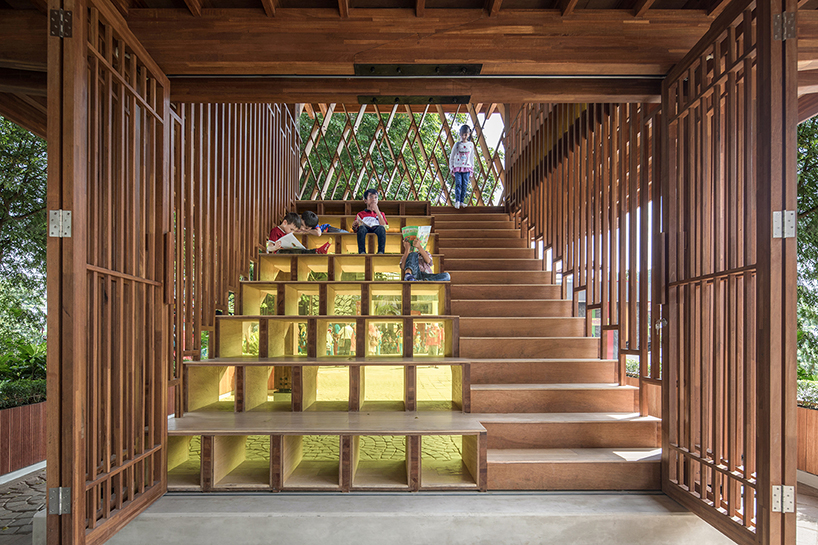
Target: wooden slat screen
(234, 171)
(581, 179)
(128, 313)
(396, 161)
(710, 206)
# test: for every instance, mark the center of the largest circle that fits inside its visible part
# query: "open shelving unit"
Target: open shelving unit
(335, 375)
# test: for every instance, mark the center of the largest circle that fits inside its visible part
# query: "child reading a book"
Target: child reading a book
(417, 265)
(290, 224)
(310, 225)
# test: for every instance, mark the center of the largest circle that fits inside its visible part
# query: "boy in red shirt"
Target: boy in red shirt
(371, 220)
(289, 224)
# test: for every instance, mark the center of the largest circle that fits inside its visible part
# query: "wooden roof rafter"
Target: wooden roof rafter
(269, 7)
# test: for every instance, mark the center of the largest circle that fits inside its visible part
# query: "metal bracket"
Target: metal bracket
(59, 223)
(61, 23)
(784, 26)
(784, 224)
(783, 499)
(59, 501)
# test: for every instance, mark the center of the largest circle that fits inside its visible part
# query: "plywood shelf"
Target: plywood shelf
(352, 267)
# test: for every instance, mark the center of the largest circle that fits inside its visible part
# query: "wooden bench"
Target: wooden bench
(347, 243)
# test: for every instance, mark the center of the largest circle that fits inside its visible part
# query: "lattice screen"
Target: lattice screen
(402, 150)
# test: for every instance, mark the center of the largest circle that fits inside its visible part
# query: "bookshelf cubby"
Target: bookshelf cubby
(381, 462)
(337, 268)
(184, 463)
(310, 462)
(241, 462)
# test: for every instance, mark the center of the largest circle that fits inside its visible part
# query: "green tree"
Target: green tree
(22, 234)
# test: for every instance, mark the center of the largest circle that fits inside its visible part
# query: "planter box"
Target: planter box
(22, 437)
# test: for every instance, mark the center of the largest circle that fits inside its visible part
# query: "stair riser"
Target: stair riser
(500, 277)
(506, 291)
(504, 347)
(476, 231)
(529, 327)
(465, 215)
(489, 253)
(624, 434)
(470, 224)
(575, 476)
(554, 401)
(492, 264)
(548, 308)
(484, 242)
(500, 372)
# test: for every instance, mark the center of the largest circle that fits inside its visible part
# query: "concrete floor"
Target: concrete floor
(30, 487)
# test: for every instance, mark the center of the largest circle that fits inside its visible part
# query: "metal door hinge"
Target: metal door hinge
(784, 224)
(783, 499)
(59, 223)
(784, 26)
(61, 23)
(59, 501)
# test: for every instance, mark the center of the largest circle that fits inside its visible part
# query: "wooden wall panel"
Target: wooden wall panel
(234, 173)
(581, 180)
(22, 437)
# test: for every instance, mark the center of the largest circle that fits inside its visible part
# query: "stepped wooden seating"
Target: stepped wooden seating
(256, 417)
(531, 405)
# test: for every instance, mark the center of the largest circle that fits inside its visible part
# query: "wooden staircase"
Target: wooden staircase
(555, 414)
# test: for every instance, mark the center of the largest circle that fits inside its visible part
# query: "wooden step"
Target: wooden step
(532, 307)
(506, 291)
(553, 398)
(482, 240)
(465, 215)
(574, 469)
(476, 230)
(522, 327)
(542, 371)
(571, 430)
(468, 223)
(492, 264)
(529, 347)
(491, 253)
(501, 277)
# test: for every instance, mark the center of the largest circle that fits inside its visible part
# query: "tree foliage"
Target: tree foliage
(22, 235)
(808, 248)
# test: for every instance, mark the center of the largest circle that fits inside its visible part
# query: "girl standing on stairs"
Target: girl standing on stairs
(461, 165)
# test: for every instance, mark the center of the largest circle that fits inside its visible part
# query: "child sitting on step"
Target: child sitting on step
(290, 224)
(417, 265)
(310, 225)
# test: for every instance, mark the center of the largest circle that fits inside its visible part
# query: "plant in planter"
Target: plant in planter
(22, 374)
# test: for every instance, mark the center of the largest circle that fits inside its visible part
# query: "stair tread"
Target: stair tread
(501, 361)
(324, 423)
(331, 360)
(574, 455)
(552, 418)
(564, 386)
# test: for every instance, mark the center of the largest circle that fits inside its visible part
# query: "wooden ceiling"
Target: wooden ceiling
(307, 50)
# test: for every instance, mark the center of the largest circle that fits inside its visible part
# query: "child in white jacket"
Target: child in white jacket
(461, 165)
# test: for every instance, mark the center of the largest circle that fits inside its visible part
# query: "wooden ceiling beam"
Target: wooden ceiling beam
(420, 8)
(807, 82)
(269, 7)
(567, 7)
(493, 6)
(19, 111)
(641, 7)
(23, 82)
(23, 40)
(512, 42)
(195, 7)
(343, 8)
(481, 90)
(807, 107)
(717, 7)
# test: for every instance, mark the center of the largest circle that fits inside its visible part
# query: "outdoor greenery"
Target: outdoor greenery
(22, 266)
(415, 164)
